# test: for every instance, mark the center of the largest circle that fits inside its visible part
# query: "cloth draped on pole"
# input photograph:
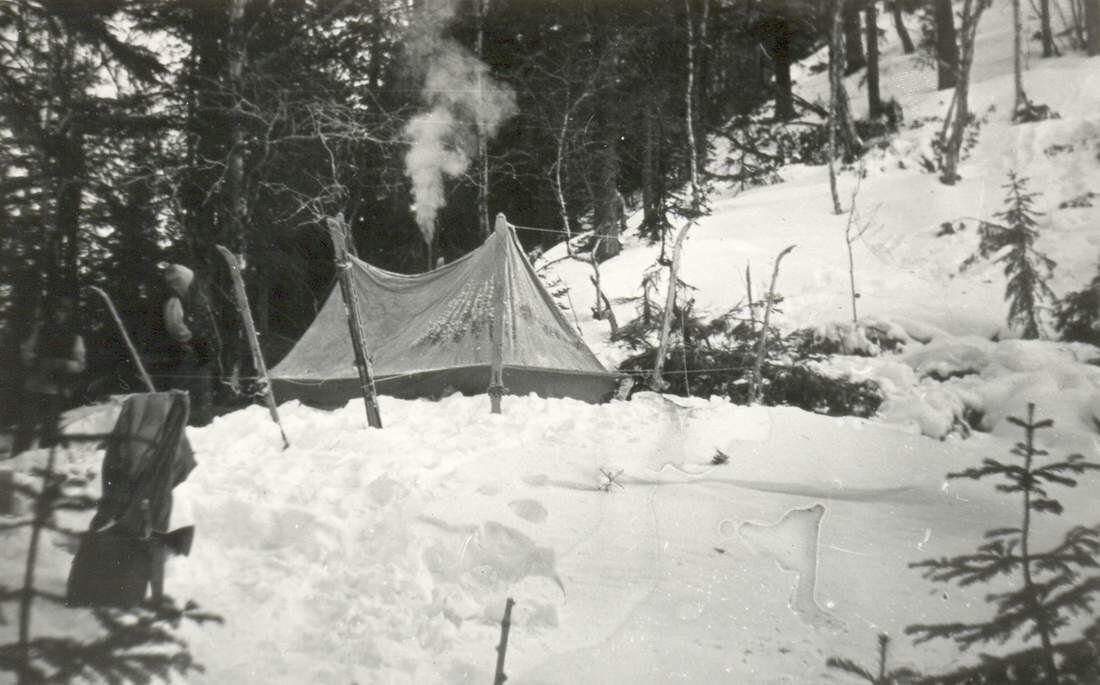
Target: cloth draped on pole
(147, 456)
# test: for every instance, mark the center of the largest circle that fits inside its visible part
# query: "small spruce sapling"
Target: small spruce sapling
(1026, 269)
(1050, 586)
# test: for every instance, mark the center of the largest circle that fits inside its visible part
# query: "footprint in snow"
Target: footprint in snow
(792, 542)
(528, 510)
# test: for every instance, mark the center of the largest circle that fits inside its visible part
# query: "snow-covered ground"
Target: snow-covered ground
(386, 556)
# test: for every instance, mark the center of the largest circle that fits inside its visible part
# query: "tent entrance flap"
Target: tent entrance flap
(430, 334)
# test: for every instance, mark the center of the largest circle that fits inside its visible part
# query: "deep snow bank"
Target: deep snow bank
(362, 555)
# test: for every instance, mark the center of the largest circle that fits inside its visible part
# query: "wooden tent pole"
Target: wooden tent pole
(336, 230)
(253, 339)
(500, 291)
(125, 338)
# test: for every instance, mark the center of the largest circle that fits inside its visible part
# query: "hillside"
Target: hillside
(386, 556)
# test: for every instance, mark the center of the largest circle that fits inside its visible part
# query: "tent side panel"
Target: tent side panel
(332, 393)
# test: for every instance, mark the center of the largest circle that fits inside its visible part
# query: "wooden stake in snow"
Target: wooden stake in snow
(502, 648)
(253, 339)
(500, 292)
(658, 382)
(337, 231)
(126, 339)
(756, 384)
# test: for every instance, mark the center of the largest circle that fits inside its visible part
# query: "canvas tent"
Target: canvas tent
(431, 334)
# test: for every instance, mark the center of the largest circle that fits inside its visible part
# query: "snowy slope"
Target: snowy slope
(903, 271)
(385, 556)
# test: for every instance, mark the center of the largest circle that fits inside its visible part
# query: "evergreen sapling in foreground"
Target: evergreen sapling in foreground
(1050, 587)
(883, 676)
(138, 644)
(1026, 269)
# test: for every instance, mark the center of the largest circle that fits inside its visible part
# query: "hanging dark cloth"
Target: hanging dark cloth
(123, 551)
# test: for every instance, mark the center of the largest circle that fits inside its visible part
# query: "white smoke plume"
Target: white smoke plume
(443, 140)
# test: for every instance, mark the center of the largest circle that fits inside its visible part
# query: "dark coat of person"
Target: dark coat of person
(196, 346)
(124, 549)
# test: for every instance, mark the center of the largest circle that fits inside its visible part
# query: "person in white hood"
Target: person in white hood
(195, 344)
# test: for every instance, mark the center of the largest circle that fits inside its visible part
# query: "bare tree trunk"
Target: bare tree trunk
(1017, 58)
(233, 231)
(377, 58)
(947, 51)
(842, 114)
(689, 109)
(703, 71)
(653, 215)
(604, 303)
(482, 138)
(778, 34)
(784, 98)
(559, 162)
(1049, 49)
(1076, 9)
(1092, 27)
(233, 234)
(71, 163)
(835, 38)
(874, 98)
(971, 14)
(899, 26)
(854, 59)
(608, 206)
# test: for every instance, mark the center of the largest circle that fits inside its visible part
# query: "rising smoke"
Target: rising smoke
(463, 102)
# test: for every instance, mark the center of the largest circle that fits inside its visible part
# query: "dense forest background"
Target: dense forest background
(135, 132)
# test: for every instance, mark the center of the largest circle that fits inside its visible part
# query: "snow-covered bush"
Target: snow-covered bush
(716, 359)
(868, 338)
(759, 147)
(1077, 315)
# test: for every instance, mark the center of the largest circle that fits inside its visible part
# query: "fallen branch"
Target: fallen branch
(658, 382)
(502, 648)
(601, 296)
